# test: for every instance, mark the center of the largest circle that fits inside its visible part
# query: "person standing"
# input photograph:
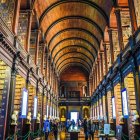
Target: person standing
(85, 129)
(73, 124)
(46, 129)
(90, 130)
(55, 129)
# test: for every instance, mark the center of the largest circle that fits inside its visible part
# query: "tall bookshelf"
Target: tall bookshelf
(118, 102)
(101, 108)
(130, 87)
(5, 76)
(98, 110)
(3, 68)
(45, 105)
(20, 84)
(104, 106)
(31, 93)
(39, 102)
(109, 102)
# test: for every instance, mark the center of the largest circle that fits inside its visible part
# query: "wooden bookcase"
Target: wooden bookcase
(5, 77)
(104, 106)
(118, 102)
(20, 84)
(45, 106)
(39, 102)
(31, 93)
(101, 108)
(109, 102)
(130, 87)
(3, 68)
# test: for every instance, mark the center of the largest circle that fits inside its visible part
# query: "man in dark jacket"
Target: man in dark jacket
(55, 129)
(85, 129)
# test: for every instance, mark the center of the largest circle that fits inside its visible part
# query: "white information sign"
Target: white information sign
(35, 107)
(24, 103)
(113, 108)
(125, 103)
(106, 129)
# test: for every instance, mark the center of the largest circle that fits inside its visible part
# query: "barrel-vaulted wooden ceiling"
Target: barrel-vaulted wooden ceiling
(73, 29)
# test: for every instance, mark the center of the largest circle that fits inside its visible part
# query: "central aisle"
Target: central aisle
(65, 136)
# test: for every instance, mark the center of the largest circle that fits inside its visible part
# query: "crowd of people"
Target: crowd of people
(53, 126)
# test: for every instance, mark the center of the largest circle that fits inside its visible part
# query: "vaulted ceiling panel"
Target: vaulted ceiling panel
(74, 54)
(71, 61)
(73, 30)
(70, 8)
(76, 23)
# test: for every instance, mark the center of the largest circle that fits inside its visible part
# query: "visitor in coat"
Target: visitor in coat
(73, 124)
(67, 125)
(55, 129)
(46, 129)
(90, 130)
(85, 126)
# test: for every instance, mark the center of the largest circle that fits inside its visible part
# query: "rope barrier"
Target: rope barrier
(10, 138)
(125, 137)
(20, 136)
(30, 133)
(137, 137)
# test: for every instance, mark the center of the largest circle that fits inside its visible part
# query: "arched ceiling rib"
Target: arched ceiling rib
(74, 39)
(78, 19)
(73, 64)
(72, 54)
(71, 48)
(78, 32)
(72, 60)
(64, 2)
(73, 29)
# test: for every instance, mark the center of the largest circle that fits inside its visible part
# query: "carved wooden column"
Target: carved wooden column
(37, 47)
(132, 16)
(101, 58)
(46, 68)
(111, 45)
(42, 58)
(27, 47)
(95, 77)
(52, 76)
(16, 16)
(42, 108)
(90, 86)
(99, 74)
(93, 80)
(105, 57)
(119, 26)
(106, 107)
